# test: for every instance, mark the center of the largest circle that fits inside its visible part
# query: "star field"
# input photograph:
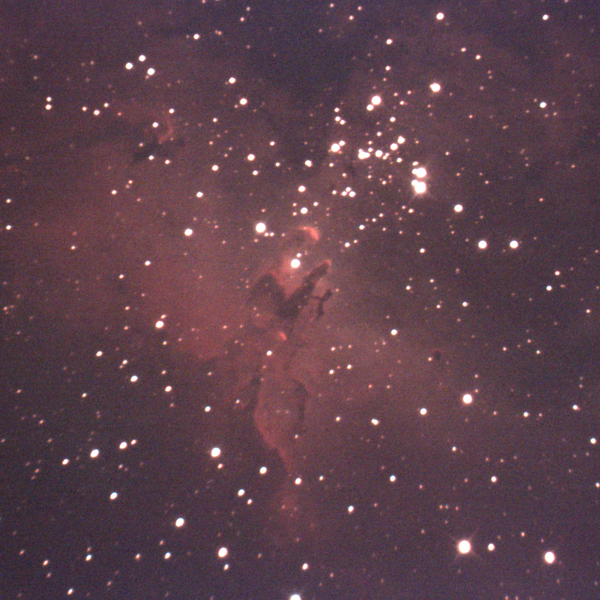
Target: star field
(299, 300)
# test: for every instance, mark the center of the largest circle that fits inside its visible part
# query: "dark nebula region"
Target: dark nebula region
(300, 299)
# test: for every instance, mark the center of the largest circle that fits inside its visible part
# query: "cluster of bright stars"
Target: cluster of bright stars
(141, 58)
(464, 547)
(418, 183)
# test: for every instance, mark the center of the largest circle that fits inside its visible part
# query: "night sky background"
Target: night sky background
(170, 428)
